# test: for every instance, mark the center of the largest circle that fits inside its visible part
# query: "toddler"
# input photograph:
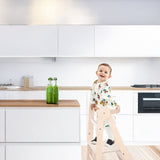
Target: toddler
(101, 97)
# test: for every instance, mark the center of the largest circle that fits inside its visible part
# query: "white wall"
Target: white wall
(80, 71)
(79, 12)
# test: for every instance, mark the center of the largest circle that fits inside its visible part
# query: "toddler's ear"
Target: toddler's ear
(96, 72)
(110, 76)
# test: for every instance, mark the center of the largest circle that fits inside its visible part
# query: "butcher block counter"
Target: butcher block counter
(38, 103)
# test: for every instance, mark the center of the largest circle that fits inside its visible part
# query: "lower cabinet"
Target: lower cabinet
(56, 124)
(124, 125)
(84, 129)
(146, 128)
(57, 151)
(2, 152)
(2, 125)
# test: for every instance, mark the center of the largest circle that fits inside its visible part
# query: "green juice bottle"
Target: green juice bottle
(55, 91)
(49, 92)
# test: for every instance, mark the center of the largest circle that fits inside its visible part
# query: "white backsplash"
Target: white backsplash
(79, 71)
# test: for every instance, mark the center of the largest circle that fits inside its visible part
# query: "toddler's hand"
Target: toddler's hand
(95, 108)
(92, 106)
(115, 111)
(118, 108)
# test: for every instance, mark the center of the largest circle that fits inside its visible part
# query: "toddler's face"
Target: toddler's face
(103, 73)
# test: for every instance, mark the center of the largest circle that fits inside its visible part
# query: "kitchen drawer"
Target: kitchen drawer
(43, 124)
(2, 125)
(146, 128)
(2, 152)
(57, 151)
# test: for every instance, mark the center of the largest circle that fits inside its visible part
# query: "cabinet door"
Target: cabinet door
(146, 128)
(57, 151)
(124, 124)
(28, 41)
(2, 152)
(127, 41)
(43, 124)
(76, 41)
(81, 96)
(125, 100)
(2, 125)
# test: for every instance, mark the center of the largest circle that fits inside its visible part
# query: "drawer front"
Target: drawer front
(146, 128)
(43, 124)
(2, 125)
(58, 151)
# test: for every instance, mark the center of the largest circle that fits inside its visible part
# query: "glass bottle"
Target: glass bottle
(55, 91)
(49, 92)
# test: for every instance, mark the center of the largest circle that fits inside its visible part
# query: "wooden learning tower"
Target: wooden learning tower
(95, 152)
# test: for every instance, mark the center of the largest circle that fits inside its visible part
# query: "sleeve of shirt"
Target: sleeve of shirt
(92, 95)
(108, 98)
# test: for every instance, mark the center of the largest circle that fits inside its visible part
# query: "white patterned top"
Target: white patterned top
(101, 95)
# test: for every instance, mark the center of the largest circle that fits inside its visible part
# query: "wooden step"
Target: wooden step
(106, 149)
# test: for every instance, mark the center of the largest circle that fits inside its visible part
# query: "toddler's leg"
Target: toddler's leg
(109, 133)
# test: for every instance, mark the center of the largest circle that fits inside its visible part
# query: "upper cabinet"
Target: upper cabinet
(80, 41)
(28, 41)
(127, 41)
(76, 41)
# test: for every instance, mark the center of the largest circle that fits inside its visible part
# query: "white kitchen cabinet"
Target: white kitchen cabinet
(124, 124)
(57, 151)
(127, 41)
(81, 96)
(2, 152)
(146, 128)
(125, 100)
(26, 95)
(56, 124)
(2, 125)
(28, 41)
(76, 41)
(84, 129)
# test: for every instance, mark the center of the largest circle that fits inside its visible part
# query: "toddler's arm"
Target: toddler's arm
(93, 106)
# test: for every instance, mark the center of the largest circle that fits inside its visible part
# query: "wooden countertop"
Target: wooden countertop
(38, 103)
(115, 88)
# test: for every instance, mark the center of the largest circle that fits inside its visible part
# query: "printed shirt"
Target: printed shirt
(101, 95)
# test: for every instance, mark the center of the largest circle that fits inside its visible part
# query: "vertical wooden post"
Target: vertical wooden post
(90, 130)
(100, 128)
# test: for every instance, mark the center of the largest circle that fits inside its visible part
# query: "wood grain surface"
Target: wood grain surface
(136, 152)
(41, 88)
(38, 103)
